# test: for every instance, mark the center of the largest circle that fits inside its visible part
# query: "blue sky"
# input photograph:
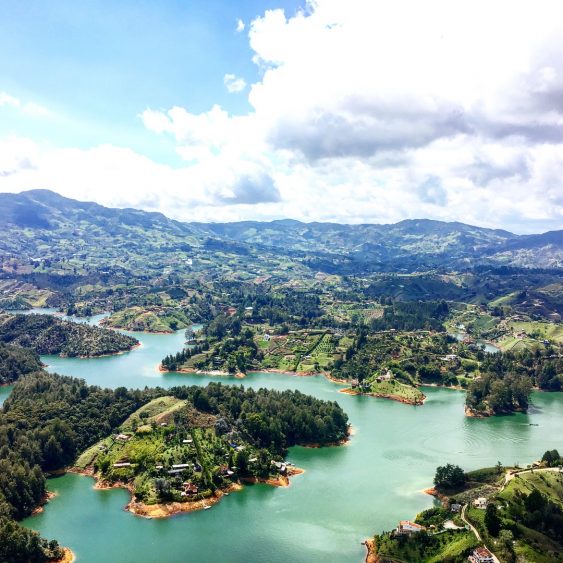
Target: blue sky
(98, 64)
(356, 111)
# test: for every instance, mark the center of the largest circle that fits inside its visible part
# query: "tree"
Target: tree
(449, 476)
(551, 457)
(492, 520)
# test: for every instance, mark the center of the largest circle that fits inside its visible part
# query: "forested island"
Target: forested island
(183, 451)
(512, 512)
(48, 334)
(170, 447)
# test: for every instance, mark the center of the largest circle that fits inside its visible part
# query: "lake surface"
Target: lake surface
(5, 390)
(346, 494)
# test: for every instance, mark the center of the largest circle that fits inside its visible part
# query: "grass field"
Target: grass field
(397, 389)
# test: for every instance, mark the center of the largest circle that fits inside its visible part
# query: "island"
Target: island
(48, 334)
(184, 451)
(176, 450)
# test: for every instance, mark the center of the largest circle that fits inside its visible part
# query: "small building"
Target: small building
(123, 437)
(481, 555)
(387, 376)
(266, 337)
(190, 489)
(122, 464)
(181, 466)
(406, 527)
(455, 507)
(280, 466)
(450, 357)
(480, 503)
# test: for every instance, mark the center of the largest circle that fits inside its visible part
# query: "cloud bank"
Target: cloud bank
(365, 112)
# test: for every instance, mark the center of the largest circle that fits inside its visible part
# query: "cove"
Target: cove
(345, 495)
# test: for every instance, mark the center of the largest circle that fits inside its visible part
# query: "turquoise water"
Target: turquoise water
(4, 392)
(346, 494)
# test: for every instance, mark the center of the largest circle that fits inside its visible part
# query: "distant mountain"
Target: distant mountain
(408, 238)
(45, 209)
(42, 225)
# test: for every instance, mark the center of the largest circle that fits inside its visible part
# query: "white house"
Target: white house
(406, 527)
(480, 502)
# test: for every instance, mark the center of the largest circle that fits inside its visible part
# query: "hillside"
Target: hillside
(46, 334)
(15, 362)
(51, 233)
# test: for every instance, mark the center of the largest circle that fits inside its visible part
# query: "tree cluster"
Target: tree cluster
(46, 334)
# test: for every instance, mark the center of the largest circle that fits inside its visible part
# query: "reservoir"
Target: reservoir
(346, 494)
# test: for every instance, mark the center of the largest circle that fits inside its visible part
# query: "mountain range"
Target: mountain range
(43, 225)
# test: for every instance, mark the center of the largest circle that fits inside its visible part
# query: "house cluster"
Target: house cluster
(407, 528)
(481, 555)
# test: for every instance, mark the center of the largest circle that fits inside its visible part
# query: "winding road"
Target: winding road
(476, 532)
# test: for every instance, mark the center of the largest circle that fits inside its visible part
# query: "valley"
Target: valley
(212, 356)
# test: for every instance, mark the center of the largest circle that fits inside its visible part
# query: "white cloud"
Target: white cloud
(234, 83)
(240, 25)
(365, 112)
(29, 108)
(7, 100)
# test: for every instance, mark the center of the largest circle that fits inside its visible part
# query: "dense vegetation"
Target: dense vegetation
(189, 444)
(449, 476)
(46, 420)
(15, 362)
(542, 367)
(498, 394)
(412, 315)
(273, 419)
(46, 334)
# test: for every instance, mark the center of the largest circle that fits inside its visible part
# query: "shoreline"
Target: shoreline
(68, 556)
(108, 355)
(41, 507)
(343, 442)
(397, 398)
(165, 510)
(326, 375)
(165, 332)
(371, 555)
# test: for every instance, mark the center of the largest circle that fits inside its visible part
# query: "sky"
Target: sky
(360, 111)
